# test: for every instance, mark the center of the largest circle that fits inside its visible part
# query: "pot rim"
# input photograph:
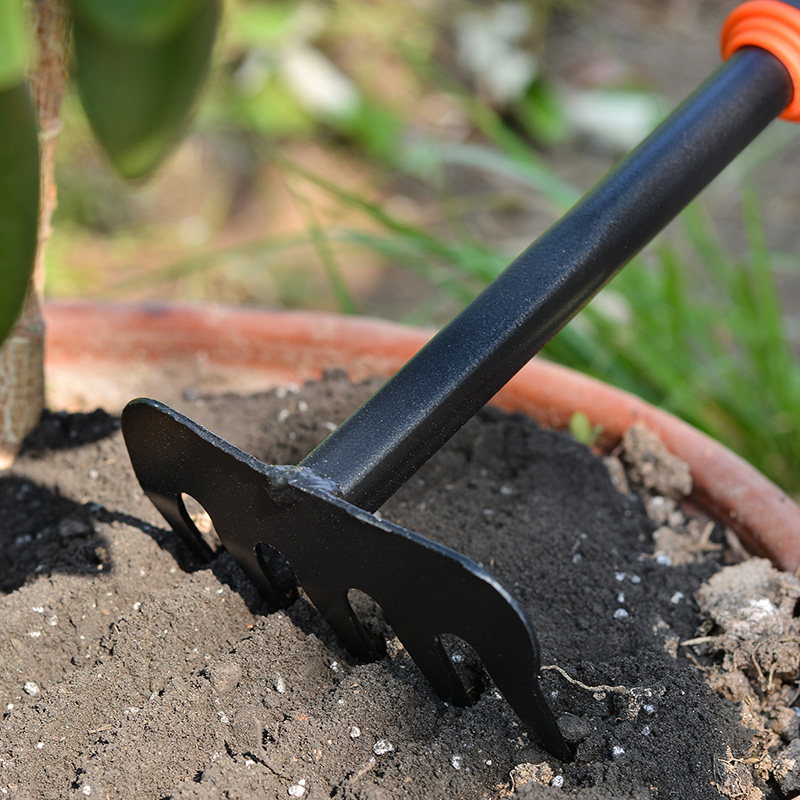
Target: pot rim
(285, 346)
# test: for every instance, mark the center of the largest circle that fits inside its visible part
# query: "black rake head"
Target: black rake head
(425, 590)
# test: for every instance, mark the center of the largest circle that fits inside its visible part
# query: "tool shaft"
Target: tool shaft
(384, 443)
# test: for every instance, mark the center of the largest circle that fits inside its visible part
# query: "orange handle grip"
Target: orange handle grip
(772, 25)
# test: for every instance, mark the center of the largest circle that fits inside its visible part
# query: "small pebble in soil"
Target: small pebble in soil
(617, 751)
(382, 746)
(558, 781)
(297, 789)
(676, 598)
(575, 729)
(355, 732)
(621, 613)
(456, 761)
(30, 688)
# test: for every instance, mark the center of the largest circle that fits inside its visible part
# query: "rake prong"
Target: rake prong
(339, 614)
(429, 655)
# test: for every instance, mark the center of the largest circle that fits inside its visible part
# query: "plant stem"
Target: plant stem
(22, 354)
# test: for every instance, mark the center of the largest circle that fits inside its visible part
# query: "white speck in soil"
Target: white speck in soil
(577, 558)
(647, 730)
(35, 634)
(87, 790)
(663, 560)
(488, 762)
(38, 609)
(53, 621)
(355, 732)
(617, 751)
(649, 708)
(334, 666)
(93, 475)
(620, 598)
(297, 789)
(457, 658)
(558, 781)
(39, 745)
(283, 415)
(621, 613)
(248, 762)
(30, 688)
(137, 605)
(455, 761)
(676, 598)
(302, 406)
(636, 579)
(382, 746)
(620, 576)
(280, 686)
(222, 718)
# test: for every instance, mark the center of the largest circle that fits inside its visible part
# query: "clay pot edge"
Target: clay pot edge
(300, 345)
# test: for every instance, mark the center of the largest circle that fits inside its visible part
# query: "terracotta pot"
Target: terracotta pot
(120, 352)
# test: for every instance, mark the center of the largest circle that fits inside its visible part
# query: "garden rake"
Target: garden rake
(318, 515)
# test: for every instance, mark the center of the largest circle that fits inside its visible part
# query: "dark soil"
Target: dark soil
(129, 669)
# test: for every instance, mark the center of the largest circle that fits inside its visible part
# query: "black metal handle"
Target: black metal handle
(380, 446)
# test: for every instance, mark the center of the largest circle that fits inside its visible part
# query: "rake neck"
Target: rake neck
(384, 443)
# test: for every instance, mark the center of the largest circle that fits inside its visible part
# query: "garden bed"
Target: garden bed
(126, 665)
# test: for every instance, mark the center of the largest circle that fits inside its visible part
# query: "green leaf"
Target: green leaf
(139, 97)
(19, 201)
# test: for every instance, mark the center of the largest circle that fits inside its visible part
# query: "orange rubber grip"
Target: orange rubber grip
(773, 26)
